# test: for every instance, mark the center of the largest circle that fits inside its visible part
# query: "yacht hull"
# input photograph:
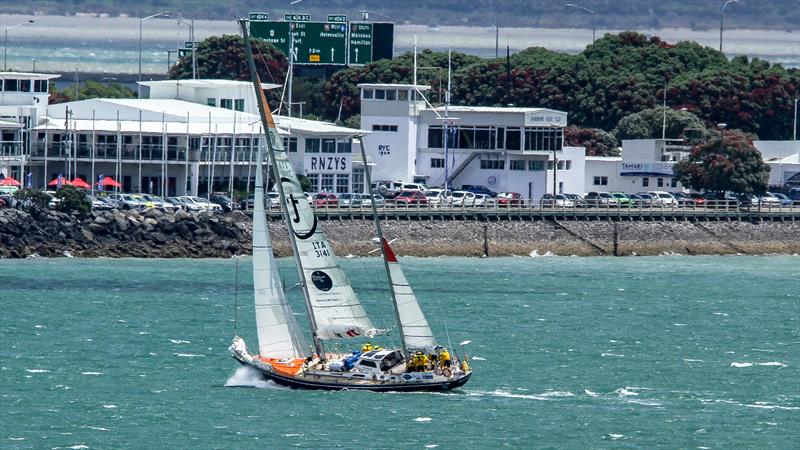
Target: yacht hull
(312, 382)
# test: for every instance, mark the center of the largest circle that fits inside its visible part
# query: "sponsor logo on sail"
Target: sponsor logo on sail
(321, 280)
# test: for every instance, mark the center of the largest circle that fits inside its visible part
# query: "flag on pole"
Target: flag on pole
(100, 181)
(29, 180)
(60, 181)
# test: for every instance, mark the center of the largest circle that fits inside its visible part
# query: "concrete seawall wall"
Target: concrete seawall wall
(156, 234)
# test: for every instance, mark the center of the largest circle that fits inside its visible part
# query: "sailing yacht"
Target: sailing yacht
(334, 310)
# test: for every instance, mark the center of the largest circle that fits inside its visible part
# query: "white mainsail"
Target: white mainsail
(334, 304)
(278, 333)
(417, 333)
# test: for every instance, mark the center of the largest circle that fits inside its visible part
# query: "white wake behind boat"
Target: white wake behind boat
(334, 310)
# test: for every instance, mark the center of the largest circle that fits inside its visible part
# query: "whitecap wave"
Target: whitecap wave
(625, 392)
(36, 370)
(179, 341)
(423, 419)
(109, 406)
(92, 373)
(477, 358)
(535, 254)
(590, 393)
(772, 363)
(743, 364)
(189, 355)
(249, 377)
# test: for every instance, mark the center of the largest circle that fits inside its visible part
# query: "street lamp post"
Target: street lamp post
(190, 24)
(721, 18)
(5, 42)
(590, 11)
(139, 91)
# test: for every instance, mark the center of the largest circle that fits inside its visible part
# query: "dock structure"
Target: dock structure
(491, 214)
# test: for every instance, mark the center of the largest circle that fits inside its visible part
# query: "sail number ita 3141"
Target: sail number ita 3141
(320, 249)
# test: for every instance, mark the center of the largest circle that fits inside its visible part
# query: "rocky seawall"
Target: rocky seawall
(154, 234)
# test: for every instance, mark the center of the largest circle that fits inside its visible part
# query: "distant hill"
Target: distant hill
(610, 14)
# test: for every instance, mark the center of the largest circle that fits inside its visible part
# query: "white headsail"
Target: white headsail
(334, 304)
(416, 331)
(278, 333)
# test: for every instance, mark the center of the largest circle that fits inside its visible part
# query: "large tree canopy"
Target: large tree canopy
(223, 57)
(731, 164)
(649, 124)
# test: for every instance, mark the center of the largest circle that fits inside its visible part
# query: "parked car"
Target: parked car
(157, 202)
(200, 204)
(272, 200)
(366, 200)
(600, 199)
(477, 189)
(8, 201)
(663, 198)
(387, 189)
(126, 201)
(224, 201)
(326, 200)
(100, 203)
(622, 199)
(510, 199)
(768, 200)
(410, 197)
(350, 200)
(577, 199)
(176, 203)
(484, 201)
(698, 199)
(720, 200)
(784, 199)
(463, 198)
(414, 187)
(638, 201)
(558, 200)
(439, 197)
(794, 195)
(647, 197)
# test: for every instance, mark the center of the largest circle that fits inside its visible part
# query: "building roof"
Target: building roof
(27, 75)
(493, 109)
(175, 114)
(604, 158)
(421, 87)
(207, 83)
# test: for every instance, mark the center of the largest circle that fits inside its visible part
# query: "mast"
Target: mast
(266, 120)
(379, 232)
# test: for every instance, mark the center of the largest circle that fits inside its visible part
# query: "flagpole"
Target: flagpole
(91, 180)
(139, 179)
(45, 176)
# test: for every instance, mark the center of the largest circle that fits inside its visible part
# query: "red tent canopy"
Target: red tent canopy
(64, 182)
(8, 181)
(108, 181)
(80, 184)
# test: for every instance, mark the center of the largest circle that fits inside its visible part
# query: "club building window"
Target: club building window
(344, 146)
(290, 144)
(327, 182)
(313, 180)
(312, 145)
(358, 179)
(600, 181)
(342, 183)
(516, 164)
(645, 182)
(466, 137)
(536, 165)
(391, 128)
(437, 163)
(496, 164)
(226, 103)
(39, 85)
(544, 138)
(513, 139)
(238, 104)
(328, 145)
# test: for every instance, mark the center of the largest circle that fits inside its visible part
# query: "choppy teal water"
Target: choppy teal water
(678, 352)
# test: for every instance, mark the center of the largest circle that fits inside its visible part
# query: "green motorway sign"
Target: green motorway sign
(360, 43)
(322, 43)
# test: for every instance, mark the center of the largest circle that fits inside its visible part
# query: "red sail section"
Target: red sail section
(389, 253)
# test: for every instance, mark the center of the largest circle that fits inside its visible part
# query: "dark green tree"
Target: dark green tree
(597, 142)
(73, 200)
(731, 164)
(32, 201)
(223, 57)
(90, 89)
(648, 124)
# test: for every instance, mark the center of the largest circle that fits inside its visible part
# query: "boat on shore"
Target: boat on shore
(334, 310)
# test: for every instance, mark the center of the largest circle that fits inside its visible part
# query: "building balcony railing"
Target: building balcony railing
(11, 149)
(128, 152)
